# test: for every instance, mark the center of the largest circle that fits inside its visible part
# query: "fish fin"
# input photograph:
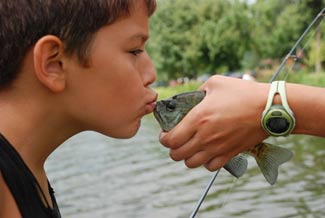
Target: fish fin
(270, 158)
(237, 166)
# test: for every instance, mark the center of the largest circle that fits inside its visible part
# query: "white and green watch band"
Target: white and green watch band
(278, 120)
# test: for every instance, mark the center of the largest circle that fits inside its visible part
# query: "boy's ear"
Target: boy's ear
(48, 63)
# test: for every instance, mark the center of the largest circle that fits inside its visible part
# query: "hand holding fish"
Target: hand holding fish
(228, 120)
(224, 124)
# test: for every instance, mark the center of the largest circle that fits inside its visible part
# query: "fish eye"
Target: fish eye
(170, 106)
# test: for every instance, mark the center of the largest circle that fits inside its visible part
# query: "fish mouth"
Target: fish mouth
(157, 114)
(158, 117)
(162, 120)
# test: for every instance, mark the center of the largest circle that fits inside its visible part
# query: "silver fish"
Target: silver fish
(171, 111)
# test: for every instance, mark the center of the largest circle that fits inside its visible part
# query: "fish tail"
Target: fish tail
(236, 166)
(269, 158)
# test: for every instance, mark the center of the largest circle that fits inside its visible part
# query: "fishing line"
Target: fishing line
(227, 194)
(321, 14)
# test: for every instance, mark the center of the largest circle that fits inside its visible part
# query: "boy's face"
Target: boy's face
(112, 94)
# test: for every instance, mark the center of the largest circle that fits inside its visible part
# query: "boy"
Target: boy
(66, 67)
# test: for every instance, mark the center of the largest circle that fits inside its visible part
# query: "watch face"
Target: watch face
(277, 121)
(277, 124)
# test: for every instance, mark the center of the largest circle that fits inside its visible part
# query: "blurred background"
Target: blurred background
(99, 177)
(192, 40)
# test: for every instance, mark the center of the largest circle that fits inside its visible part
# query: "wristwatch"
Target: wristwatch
(278, 120)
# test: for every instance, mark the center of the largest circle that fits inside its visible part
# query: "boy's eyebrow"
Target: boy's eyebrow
(143, 37)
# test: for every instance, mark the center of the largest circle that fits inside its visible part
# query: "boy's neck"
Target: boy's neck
(34, 128)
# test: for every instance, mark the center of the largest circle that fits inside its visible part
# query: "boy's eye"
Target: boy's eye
(136, 52)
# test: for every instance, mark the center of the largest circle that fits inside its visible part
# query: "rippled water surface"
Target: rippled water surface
(99, 177)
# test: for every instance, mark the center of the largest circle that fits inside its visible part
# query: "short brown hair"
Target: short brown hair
(24, 22)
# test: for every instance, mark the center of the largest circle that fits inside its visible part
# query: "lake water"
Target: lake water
(98, 177)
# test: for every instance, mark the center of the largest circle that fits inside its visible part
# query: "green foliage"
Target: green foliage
(189, 38)
(193, 37)
(312, 79)
(166, 92)
(278, 24)
(171, 37)
(317, 53)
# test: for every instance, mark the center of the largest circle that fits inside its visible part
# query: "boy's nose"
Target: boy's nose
(149, 72)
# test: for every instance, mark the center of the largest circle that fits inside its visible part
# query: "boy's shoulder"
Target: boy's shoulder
(9, 207)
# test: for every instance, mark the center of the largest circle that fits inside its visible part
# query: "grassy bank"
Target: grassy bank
(166, 92)
(312, 79)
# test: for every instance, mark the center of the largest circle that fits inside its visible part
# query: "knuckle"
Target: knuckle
(213, 166)
(164, 140)
(175, 156)
(190, 164)
(168, 141)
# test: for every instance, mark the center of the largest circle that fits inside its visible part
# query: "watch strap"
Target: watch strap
(282, 91)
(272, 92)
(278, 87)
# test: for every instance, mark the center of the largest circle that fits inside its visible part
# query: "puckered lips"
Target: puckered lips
(151, 104)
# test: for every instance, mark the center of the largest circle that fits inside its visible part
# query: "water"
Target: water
(99, 177)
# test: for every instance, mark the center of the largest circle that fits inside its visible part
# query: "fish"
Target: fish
(169, 112)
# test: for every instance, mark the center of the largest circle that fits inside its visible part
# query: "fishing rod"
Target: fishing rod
(321, 14)
(204, 194)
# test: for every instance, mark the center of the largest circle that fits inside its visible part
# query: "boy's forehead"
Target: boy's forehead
(134, 27)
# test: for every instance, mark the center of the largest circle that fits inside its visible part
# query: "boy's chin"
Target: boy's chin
(126, 133)
(126, 136)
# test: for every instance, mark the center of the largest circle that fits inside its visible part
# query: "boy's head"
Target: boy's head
(24, 22)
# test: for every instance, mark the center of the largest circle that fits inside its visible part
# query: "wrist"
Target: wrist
(308, 103)
(263, 91)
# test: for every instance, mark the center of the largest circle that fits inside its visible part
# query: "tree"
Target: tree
(171, 35)
(278, 25)
(189, 38)
(198, 36)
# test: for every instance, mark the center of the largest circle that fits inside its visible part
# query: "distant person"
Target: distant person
(66, 67)
(248, 76)
(229, 119)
